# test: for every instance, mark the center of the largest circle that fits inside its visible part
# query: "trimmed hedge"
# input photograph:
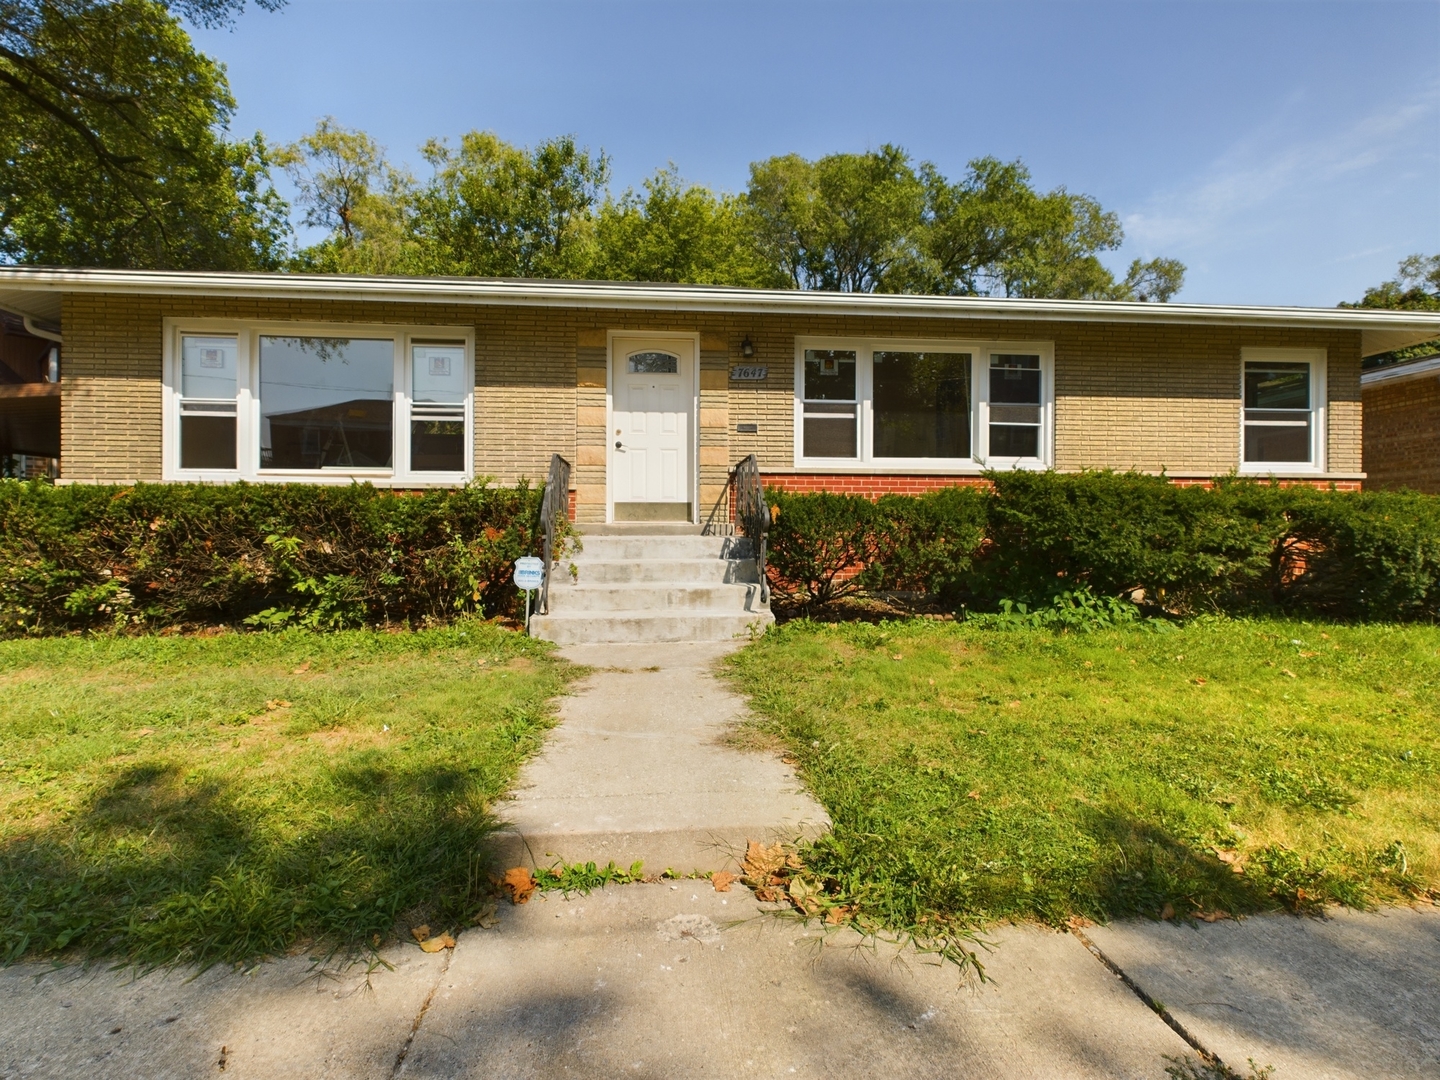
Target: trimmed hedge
(1239, 546)
(155, 555)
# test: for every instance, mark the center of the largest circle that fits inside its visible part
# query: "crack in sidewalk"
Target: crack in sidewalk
(1154, 1004)
(420, 1016)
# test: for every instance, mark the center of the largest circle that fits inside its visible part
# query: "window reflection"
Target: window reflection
(326, 403)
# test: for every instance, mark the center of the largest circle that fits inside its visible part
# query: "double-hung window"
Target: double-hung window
(1283, 424)
(922, 405)
(329, 403)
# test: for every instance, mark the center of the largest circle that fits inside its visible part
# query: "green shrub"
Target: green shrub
(1040, 540)
(85, 557)
(822, 547)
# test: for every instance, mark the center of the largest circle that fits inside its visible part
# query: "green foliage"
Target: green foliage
(154, 555)
(585, 878)
(1224, 766)
(681, 233)
(112, 130)
(1065, 549)
(1416, 287)
(223, 798)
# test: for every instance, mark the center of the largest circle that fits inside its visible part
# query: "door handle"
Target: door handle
(618, 446)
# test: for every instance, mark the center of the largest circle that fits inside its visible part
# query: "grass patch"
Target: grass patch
(978, 774)
(224, 798)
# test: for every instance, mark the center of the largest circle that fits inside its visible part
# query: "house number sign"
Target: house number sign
(749, 374)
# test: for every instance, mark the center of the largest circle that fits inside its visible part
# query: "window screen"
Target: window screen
(829, 404)
(1277, 412)
(1014, 405)
(208, 367)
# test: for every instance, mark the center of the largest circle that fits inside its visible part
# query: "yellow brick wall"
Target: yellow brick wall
(1146, 397)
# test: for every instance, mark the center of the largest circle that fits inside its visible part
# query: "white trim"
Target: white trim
(16, 281)
(1418, 368)
(657, 336)
(1319, 412)
(979, 351)
(247, 333)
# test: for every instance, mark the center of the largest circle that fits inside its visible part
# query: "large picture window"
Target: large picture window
(1282, 425)
(908, 405)
(326, 402)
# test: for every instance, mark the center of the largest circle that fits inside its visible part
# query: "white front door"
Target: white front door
(652, 425)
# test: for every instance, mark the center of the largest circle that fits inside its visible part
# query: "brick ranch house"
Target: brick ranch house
(655, 391)
(1402, 425)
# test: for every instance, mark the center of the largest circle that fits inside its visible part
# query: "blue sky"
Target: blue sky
(1287, 152)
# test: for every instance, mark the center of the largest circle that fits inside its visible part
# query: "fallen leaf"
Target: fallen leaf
(1300, 896)
(142, 732)
(486, 918)
(276, 703)
(1167, 912)
(435, 944)
(520, 883)
(768, 896)
(1325, 636)
(1288, 673)
(973, 795)
(375, 940)
(1199, 681)
(1309, 655)
(1212, 916)
(1227, 856)
(932, 682)
(421, 932)
(1014, 704)
(721, 880)
(838, 914)
(302, 668)
(762, 861)
(897, 656)
(1087, 663)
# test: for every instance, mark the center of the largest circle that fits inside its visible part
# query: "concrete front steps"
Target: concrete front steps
(639, 583)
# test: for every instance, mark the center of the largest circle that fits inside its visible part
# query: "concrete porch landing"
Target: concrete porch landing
(637, 770)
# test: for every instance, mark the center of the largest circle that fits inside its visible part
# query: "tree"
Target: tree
(681, 233)
(847, 222)
(992, 232)
(112, 141)
(347, 187)
(497, 210)
(1415, 287)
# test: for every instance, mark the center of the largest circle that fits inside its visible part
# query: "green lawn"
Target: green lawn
(1233, 766)
(223, 798)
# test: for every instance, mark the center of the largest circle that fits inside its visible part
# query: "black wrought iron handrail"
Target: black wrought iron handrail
(752, 515)
(556, 503)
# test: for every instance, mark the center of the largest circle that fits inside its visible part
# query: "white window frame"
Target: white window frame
(247, 411)
(979, 459)
(1319, 413)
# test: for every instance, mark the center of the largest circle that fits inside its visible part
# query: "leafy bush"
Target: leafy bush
(1055, 545)
(84, 557)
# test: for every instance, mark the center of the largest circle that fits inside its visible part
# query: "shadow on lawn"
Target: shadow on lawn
(1149, 867)
(164, 865)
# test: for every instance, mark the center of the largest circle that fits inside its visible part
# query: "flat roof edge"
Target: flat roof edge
(653, 297)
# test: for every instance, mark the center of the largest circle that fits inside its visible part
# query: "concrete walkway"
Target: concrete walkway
(677, 980)
(638, 769)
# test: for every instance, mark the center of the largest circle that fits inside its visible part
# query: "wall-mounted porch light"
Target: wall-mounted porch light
(747, 350)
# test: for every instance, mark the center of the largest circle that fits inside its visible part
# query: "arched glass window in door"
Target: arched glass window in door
(652, 363)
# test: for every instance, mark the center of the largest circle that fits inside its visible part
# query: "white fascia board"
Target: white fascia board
(697, 298)
(1409, 369)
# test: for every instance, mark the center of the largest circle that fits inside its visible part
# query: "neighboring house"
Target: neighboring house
(1402, 425)
(655, 391)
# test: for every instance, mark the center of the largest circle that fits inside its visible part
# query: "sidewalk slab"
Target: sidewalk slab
(674, 979)
(1352, 996)
(637, 769)
(286, 1018)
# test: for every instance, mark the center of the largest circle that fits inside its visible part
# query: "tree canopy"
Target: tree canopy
(112, 141)
(1415, 287)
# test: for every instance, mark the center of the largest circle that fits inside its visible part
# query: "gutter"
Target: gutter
(39, 331)
(1402, 372)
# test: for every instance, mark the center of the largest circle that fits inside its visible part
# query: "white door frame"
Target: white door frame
(655, 335)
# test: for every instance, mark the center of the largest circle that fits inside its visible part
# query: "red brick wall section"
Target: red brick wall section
(872, 487)
(1402, 435)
